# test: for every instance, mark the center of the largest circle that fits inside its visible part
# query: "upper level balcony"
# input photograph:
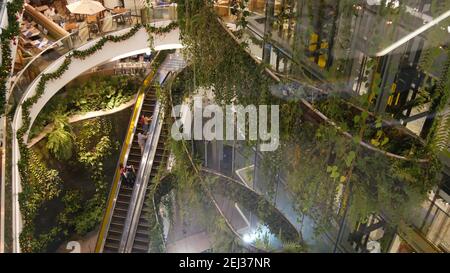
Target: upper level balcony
(49, 32)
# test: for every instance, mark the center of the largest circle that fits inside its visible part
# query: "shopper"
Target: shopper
(131, 175)
(146, 123)
(141, 140)
(123, 174)
(127, 175)
(142, 120)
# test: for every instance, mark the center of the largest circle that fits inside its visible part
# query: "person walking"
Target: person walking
(141, 141)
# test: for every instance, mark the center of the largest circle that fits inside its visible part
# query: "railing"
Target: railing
(82, 36)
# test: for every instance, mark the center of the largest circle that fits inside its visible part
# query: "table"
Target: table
(31, 32)
(91, 19)
(42, 44)
(119, 14)
(118, 10)
(70, 26)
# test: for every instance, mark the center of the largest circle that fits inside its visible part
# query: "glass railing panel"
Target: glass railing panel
(163, 12)
(39, 63)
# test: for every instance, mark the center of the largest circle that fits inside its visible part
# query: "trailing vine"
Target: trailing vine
(152, 30)
(43, 185)
(7, 36)
(219, 63)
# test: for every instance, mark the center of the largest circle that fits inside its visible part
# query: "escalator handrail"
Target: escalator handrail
(126, 147)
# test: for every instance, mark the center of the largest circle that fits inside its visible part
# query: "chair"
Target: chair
(93, 28)
(107, 23)
(75, 35)
(83, 32)
(26, 43)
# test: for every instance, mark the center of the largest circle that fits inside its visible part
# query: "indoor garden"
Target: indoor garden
(358, 94)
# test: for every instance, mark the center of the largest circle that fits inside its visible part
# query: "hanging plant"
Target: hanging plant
(7, 37)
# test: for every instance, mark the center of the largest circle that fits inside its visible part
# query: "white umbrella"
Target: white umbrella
(88, 7)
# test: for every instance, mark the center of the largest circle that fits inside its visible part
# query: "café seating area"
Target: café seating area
(45, 22)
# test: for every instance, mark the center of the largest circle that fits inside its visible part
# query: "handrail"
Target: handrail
(122, 159)
(143, 177)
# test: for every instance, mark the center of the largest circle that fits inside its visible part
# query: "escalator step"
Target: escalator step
(141, 238)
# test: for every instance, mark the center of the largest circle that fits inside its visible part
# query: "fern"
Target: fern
(60, 140)
(441, 141)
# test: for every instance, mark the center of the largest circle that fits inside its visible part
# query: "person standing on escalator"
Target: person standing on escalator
(127, 175)
(141, 141)
(131, 175)
(145, 123)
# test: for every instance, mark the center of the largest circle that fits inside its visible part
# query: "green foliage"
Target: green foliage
(43, 185)
(152, 30)
(94, 145)
(60, 140)
(293, 247)
(218, 62)
(99, 93)
(351, 118)
(327, 162)
(8, 35)
(440, 100)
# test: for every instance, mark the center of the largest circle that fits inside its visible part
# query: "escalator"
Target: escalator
(116, 227)
(125, 227)
(141, 239)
